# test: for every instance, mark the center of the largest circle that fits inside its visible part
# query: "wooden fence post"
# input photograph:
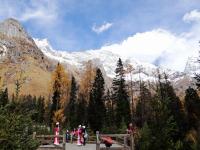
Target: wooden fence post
(125, 141)
(97, 141)
(64, 141)
(34, 135)
(132, 141)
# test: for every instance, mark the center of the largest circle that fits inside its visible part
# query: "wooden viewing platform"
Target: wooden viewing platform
(120, 142)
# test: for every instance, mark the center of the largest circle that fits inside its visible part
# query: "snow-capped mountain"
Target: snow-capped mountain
(107, 60)
(192, 66)
(37, 59)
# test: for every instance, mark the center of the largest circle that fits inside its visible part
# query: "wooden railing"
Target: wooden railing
(48, 139)
(125, 141)
(119, 139)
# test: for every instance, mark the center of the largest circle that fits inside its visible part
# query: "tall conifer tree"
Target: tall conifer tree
(41, 109)
(72, 107)
(81, 112)
(120, 95)
(192, 105)
(4, 97)
(96, 108)
(60, 91)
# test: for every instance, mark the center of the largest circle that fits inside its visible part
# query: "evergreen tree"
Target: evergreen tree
(41, 109)
(72, 107)
(81, 111)
(143, 107)
(16, 129)
(120, 95)
(175, 106)
(96, 108)
(109, 119)
(158, 132)
(4, 97)
(192, 105)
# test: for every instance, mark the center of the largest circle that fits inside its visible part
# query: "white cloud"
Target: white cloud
(38, 15)
(102, 28)
(44, 11)
(161, 46)
(192, 16)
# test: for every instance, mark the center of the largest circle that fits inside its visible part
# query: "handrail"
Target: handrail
(121, 136)
(115, 135)
(35, 136)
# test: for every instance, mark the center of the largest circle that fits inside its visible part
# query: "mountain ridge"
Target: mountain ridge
(37, 58)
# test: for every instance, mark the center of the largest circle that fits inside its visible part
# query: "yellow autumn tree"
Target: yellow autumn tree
(59, 116)
(60, 89)
(1, 82)
(87, 80)
(20, 79)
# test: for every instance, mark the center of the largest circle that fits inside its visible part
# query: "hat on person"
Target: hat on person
(57, 123)
(79, 126)
(83, 127)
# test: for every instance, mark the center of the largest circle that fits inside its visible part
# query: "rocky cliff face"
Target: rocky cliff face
(12, 28)
(16, 44)
(19, 53)
(36, 58)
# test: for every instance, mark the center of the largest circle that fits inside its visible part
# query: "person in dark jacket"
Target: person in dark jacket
(85, 135)
(67, 136)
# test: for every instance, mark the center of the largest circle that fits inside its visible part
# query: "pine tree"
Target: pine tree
(41, 109)
(167, 93)
(109, 119)
(159, 131)
(16, 128)
(72, 106)
(192, 105)
(143, 107)
(96, 108)
(120, 95)
(81, 112)
(4, 97)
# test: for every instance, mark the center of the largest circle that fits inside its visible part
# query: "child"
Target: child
(67, 136)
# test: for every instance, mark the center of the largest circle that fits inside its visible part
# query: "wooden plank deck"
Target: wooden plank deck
(73, 146)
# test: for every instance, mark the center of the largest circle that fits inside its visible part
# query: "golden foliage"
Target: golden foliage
(1, 82)
(87, 79)
(59, 116)
(60, 82)
(20, 76)
(192, 136)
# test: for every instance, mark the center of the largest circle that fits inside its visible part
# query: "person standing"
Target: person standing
(67, 136)
(130, 130)
(85, 135)
(56, 133)
(72, 134)
(79, 134)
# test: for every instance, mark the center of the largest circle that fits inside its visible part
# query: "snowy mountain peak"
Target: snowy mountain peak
(102, 58)
(192, 66)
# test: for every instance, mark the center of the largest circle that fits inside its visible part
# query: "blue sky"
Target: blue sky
(77, 25)
(69, 24)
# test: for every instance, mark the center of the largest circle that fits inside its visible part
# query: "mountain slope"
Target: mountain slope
(20, 55)
(36, 59)
(105, 59)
